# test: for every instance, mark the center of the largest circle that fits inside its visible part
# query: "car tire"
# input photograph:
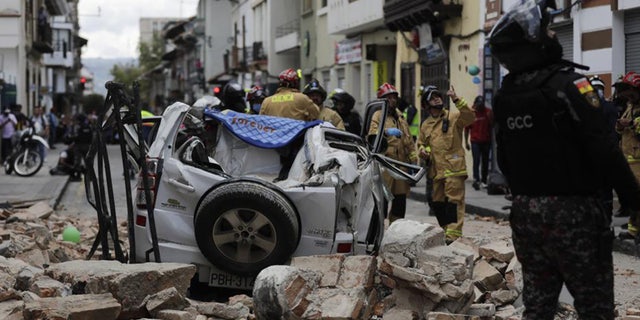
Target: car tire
(243, 227)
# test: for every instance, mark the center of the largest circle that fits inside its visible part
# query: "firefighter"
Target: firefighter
(554, 148)
(400, 147)
(288, 102)
(628, 126)
(440, 144)
(255, 96)
(317, 94)
(343, 103)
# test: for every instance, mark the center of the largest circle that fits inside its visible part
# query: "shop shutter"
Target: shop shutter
(564, 32)
(632, 40)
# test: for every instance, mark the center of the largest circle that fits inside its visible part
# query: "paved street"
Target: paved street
(41, 186)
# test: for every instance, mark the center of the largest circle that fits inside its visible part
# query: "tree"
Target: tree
(150, 55)
(92, 102)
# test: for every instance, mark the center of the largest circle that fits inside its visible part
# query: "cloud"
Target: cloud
(114, 32)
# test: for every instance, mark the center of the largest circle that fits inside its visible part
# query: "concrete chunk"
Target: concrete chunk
(327, 265)
(357, 271)
(486, 277)
(500, 250)
(166, 299)
(85, 306)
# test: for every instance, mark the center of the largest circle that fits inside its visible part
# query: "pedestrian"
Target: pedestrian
(23, 121)
(317, 94)
(8, 123)
(53, 124)
(554, 150)
(40, 127)
(81, 137)
(628, 126)
(479, 133)
(400, 146)
(288, 101)
(440, 144)
(255, 96)
(343, 103)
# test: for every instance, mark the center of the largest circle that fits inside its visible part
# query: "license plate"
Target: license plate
(223, 279)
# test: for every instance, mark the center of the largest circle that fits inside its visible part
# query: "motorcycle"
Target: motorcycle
(25, 159)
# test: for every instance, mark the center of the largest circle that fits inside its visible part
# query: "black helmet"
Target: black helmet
(231, 93)
(427, 93)
(520, 40)
(342, 96)
(314, 86)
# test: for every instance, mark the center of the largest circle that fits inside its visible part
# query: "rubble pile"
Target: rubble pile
(44, 277)
(415, 276)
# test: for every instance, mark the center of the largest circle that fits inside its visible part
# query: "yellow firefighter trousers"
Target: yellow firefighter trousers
(451, 188)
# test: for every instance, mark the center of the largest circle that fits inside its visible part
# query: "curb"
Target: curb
(622, 246)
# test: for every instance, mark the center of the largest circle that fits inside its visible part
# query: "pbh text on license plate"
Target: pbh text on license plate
(227, 280)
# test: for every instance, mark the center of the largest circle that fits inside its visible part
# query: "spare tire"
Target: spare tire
(243, 227)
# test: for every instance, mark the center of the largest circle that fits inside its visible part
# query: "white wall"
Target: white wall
(9, 65)
(217, 30)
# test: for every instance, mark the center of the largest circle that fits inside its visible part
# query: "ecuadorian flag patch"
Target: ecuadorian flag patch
(583, 85)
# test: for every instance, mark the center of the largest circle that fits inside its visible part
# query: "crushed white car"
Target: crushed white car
(216, 205)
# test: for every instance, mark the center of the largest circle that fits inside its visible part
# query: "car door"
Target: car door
(377, 144)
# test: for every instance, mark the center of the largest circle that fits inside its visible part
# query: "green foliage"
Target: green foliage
(150, 55)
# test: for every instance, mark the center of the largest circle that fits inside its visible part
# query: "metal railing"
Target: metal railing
(288, 28)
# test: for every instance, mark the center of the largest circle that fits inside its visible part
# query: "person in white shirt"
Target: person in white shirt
(8, 123)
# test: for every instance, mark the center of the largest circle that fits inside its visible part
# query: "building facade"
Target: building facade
(40, 54)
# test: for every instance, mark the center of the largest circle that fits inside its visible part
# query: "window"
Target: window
(323, 3)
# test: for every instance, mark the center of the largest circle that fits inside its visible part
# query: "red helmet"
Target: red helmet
(289, 78)
(386, 89)
(631, 79)
(256, 93)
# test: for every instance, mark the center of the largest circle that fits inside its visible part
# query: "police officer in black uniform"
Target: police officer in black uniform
(554, 149)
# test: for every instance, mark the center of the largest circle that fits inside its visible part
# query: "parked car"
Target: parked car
(216, 205)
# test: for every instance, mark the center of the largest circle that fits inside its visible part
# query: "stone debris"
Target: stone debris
(414, 276)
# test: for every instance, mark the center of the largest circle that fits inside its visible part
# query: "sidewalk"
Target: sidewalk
(481, 204)
(41, 186)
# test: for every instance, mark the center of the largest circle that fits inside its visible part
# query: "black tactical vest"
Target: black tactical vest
(540, 135)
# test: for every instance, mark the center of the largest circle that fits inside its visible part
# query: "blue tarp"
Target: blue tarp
(261, 131)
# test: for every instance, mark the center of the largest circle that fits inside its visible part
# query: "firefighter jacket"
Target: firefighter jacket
(330, 115)
(445, 148)
(400, 149)
(630, 136)
(552, 138)
(290, 103)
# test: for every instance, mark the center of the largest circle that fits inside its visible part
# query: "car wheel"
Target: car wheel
(244, 227)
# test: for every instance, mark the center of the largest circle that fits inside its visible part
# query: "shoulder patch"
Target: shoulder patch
(583, 85)
(587, 91)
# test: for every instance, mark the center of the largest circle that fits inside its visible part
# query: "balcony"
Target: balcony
(349, 17)
(62, 56)
(235, 60)
(404, 15)
(287, 36)
(256, 58)
(43, 39)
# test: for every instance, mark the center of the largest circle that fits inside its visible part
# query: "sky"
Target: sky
(112, 26)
